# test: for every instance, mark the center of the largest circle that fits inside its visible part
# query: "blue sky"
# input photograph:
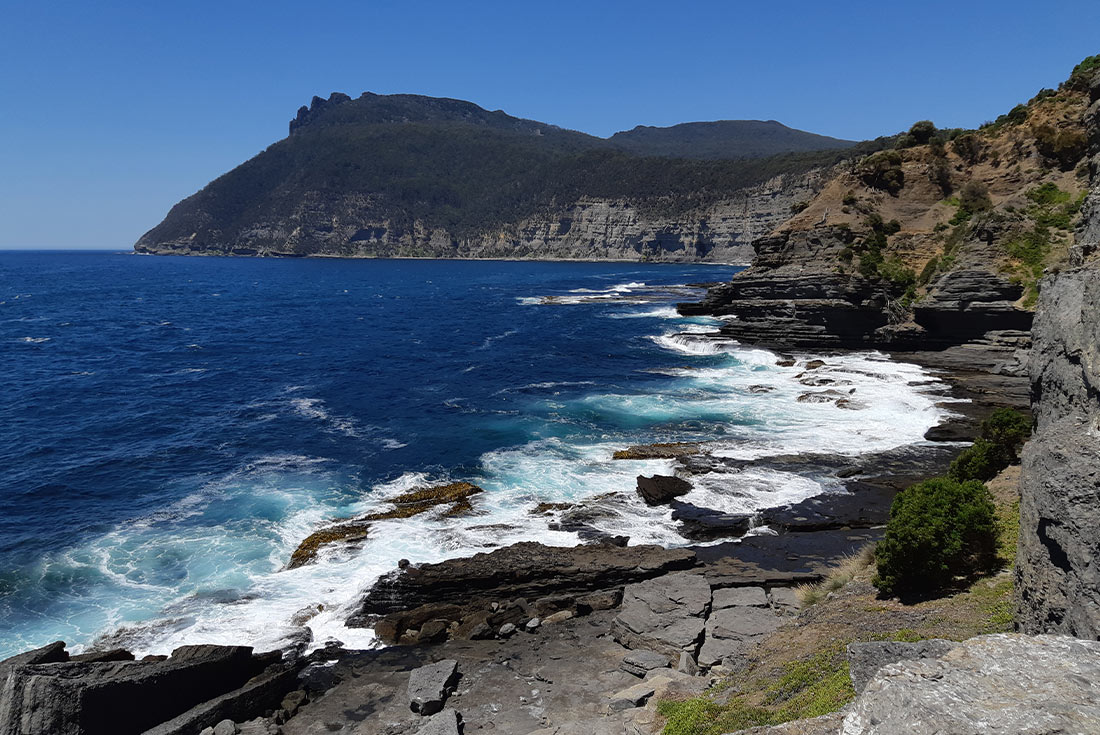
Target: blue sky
(110, 112)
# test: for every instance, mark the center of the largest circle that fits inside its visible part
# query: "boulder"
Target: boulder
(429, 686)
(667, 450)
(633, 696)
(865, 659)
(1006, 683)
(665, 615)
(225, 727)
(660, 489)
(355, 530)
(442, 723)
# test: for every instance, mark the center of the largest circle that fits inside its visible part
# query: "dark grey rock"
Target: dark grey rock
(455, 588)
(660, 489)
(738, 596)
(665, 614)
(704, 524)
(442, 723)
(197, 687)
(429, 686)
(1057, 583)
(865, 659)
(643, 661)
(732, 630)
(687, 664)
(293, 701)
(603, 600)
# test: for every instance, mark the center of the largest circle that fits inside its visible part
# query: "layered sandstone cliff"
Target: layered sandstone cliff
(591, 228)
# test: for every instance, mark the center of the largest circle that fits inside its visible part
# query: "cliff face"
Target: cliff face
(591, 228)
(1058, 566)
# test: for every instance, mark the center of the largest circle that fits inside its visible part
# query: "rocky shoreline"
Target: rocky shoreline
(652, 622)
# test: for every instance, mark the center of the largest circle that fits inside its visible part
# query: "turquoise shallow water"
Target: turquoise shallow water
(172, 427)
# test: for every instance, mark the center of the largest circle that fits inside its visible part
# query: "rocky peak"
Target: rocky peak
(308, 114)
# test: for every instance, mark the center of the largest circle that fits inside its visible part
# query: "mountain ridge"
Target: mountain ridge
(415, 176)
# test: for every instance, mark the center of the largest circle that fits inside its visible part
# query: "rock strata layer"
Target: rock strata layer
(196, 687)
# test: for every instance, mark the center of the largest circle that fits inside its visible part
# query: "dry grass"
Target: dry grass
(844, 572)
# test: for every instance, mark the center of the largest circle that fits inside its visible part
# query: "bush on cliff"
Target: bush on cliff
(1008, 428)
(938, 530)
(1002, 435)
(980, 461)
(883, 171)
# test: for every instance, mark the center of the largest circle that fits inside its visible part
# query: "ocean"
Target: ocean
(171, 428)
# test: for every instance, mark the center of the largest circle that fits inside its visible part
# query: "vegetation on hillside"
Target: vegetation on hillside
(450, 164)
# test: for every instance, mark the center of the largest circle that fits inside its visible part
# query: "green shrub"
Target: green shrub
(939, 173)
(849, 199)
(1082, 73)
(981, 461)
(968, 147)
(928, 271)
(974, 197)
(882, 170)
(1065, 146)
(899, 275)
(1048, 195)
(922, 131)
(938, 530)
(1007, 428)
(799, 207)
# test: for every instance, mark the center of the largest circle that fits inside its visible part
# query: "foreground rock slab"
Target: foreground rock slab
(430, 685)
(865, 659)
(665, 615)
(1003, 683)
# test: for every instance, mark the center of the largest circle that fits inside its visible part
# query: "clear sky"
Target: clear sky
(110, 112)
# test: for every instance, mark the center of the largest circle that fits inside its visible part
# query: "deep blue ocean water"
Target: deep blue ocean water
(172, 427)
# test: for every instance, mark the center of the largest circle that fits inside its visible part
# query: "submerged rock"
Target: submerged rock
(704, 524)
(667, 450)
(408, 504)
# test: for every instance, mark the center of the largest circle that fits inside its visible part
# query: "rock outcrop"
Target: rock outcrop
(1058, 580)
(44, 691)
(990, 684)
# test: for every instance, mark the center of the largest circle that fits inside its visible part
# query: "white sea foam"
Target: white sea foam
(34, 340)
(663, 312)
(314, 408)
(218, 556)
